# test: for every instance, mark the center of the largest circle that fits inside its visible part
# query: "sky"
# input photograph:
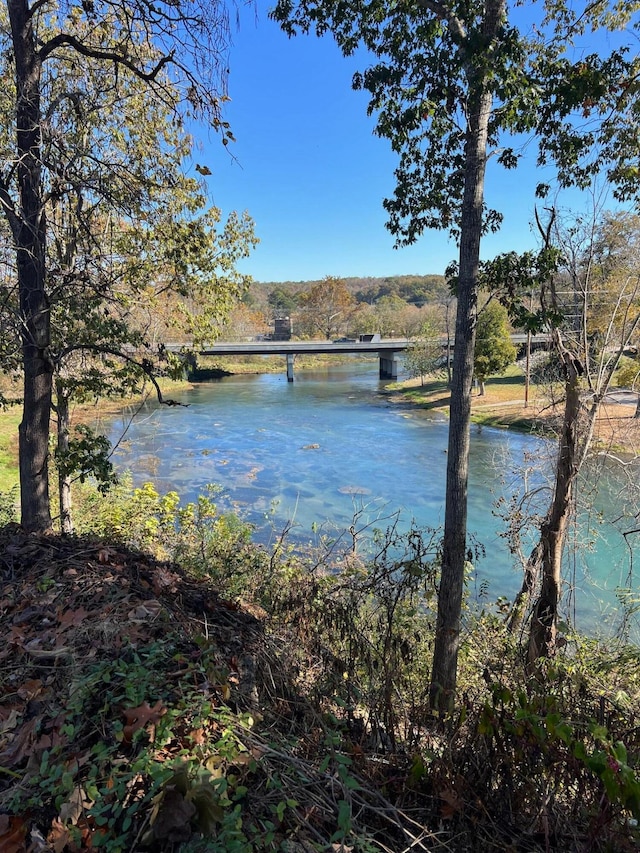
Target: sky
(309, 170)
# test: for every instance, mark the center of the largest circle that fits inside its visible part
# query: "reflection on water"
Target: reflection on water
(329, 444)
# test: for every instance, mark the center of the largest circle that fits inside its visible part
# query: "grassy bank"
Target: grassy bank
(9, 421)
(503, 405)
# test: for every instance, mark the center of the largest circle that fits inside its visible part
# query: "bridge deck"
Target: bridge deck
(387, 345)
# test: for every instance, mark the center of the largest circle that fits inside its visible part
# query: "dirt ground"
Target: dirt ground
(502, 405)
(616, 428)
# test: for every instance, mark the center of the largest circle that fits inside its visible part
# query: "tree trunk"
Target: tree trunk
(28, 227)
(542, 635)
(454, 552)
(64, 480)
(531, 575)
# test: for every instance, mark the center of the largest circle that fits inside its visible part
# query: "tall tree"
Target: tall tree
(178, 51)
(597, 262)
(494, 351)
(590, 298)
(327, 307)
(448, 78)
(449, 81)
(282, 301)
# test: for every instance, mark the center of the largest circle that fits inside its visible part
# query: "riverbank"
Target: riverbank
(503, 406)
(94, 414)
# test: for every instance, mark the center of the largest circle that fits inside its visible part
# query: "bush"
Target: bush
(628, 373)
(9, 506)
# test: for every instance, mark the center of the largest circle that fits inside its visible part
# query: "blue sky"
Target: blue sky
(313, 176)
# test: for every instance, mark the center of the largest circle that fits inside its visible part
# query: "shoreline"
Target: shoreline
(502, 407)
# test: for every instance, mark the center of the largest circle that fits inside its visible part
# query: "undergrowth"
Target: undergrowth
(235, 698)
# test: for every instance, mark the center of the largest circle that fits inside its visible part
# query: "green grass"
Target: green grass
(9, 421)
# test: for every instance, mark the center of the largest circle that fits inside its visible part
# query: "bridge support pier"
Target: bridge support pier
(289, 367)
(388, 365)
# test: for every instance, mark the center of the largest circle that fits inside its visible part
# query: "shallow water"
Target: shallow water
(316, 451)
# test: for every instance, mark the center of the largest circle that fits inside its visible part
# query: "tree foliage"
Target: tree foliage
(426, 355)
(281, 301)
(326, 308)
(494, 351)
(94, 136)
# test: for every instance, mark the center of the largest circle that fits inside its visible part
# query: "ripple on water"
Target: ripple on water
(370, 455)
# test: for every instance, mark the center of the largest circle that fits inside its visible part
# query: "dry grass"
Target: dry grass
(503, 405)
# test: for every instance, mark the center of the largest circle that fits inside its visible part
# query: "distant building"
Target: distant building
(281, 329)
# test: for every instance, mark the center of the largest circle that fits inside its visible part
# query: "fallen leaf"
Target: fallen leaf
(72, 810)
(15, 636)
(105, 555)
(30, 689)
(164, 581)
(13, 831)
(19, 747)
(37, 842)
(8, 717)
(59, 836)
(72, 618)
(146, 611)
(137, 718)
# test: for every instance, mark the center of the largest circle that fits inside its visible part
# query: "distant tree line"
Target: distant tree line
(343, 306)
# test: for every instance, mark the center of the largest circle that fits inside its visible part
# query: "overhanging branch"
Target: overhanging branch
(66, 40)
(142, 365)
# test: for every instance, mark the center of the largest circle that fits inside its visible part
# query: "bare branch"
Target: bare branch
(64, 39)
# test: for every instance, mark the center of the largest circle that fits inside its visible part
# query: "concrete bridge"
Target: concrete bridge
(386, 349)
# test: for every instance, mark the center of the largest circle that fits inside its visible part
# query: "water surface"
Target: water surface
(331, 444)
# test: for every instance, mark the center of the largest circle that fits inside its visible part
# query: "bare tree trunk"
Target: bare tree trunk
(454, 552)
(64, 480)
(527, 371)
(531, 575)
(28, 228)
(542, 635)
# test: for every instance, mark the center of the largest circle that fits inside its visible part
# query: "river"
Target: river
(331, 444)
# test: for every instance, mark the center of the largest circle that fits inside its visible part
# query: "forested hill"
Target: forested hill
(415, 289)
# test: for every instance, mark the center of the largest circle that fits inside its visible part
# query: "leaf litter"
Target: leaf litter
(91, 758)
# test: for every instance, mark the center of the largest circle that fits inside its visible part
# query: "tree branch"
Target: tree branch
(6, 202)
(445, 14)
(64, 39)
(146, 368)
